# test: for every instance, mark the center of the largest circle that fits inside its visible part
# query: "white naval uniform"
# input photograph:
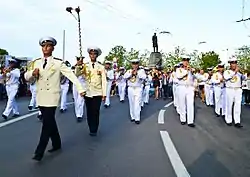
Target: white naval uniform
(12, 84)
(142, 92)
(219, 93)
(209, 91)
(110, 78)
(134, 93)
(33, 95)
(201, 79)
(64, 92)
(185, 95)
(121, 82)
(174, 80)
(148, 81)
(78, 99)
(233, 95)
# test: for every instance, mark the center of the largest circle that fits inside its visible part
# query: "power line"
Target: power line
(112, 9)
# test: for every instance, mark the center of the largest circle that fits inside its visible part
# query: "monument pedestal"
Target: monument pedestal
(155, 60)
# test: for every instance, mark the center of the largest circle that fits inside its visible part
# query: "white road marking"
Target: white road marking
(169, 104)
(161, 117)
(178, 166)
(3, 124)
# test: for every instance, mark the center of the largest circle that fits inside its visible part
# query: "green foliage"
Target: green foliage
(195, 61)
(118, 52)
(3, 52)
(243, 56)
(172, 58)
(209, 59)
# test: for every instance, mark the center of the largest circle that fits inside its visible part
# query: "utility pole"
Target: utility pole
(63, 45)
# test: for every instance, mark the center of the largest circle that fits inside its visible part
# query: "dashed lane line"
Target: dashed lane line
(161, 117)
(169, 104)
(161, 113)
(177, 164)
(3, 124)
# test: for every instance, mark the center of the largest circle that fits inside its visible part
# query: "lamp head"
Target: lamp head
(77, 10)
(69, 9)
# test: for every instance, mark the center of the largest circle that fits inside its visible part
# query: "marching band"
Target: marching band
(49, 80)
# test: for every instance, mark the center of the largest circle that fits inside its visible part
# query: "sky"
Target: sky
(131, 23)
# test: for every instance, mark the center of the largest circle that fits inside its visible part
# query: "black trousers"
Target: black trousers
(247, 96)
(49, 130)
(93, 112)
(165, 91)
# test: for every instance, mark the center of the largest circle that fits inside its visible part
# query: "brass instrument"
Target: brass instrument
(133, 77)
(234, 79)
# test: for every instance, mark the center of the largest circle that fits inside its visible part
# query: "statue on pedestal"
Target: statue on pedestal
(155, 60)
(155, 42)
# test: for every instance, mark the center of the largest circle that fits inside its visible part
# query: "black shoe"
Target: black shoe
(39, 117)
(229, 124)
(4, 117)
(132, 120)
(122, 101)
(183, 123)
(15, 115)
(79, 119)
(61, 110)
(30, 108)
(54, 149)
(92, 134)
(238, 125)
(37, 157)
(191, 125)
(137, 122)
(217, 115)
(106, 106)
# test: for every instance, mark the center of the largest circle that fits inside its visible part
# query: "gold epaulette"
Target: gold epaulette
(30, 65)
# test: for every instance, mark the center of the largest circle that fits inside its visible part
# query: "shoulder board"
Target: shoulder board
(36, 59)
(58, 59)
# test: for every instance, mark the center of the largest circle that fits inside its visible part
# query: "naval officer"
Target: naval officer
(47, 71)
(135, 77)
(11, 75)
(96, 83)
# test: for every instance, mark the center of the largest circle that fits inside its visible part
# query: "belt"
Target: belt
(235, 88)
(135, 86)
(186, 85)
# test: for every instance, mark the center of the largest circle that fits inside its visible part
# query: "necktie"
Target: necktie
(45, 63)
(93, 65)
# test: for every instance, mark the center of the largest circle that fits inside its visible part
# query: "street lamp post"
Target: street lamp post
(77, 10)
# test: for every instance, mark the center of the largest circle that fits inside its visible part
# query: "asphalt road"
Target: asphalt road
(124, 149)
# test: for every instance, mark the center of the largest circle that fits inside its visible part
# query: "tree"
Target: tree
(243, 56)
(118, 52)
(195, 61)
(209, 59)
(3, 52)
(132, 54)
(172, 58)
(144, 57)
